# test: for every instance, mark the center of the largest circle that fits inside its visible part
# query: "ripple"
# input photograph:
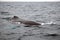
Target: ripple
(4, 13)
(52, 35)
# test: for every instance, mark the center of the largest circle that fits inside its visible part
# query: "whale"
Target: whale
(26, 22)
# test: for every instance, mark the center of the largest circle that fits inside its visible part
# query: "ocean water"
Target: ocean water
(46, 13)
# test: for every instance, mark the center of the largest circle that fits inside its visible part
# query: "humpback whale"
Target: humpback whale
(26, 22)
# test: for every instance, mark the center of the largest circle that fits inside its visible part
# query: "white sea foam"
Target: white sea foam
(48, 23)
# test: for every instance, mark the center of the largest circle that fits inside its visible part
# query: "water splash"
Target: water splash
(50, 23)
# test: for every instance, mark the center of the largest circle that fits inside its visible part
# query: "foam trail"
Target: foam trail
(48, 23)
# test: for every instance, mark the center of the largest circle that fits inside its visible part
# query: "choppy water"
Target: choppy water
(41, 12)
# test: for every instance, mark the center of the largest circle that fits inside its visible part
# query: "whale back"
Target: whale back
(31, 23)
(17, 19)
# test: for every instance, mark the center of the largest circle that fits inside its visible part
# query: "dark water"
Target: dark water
(41, 12)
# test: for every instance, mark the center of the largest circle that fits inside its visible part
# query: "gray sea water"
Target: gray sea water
(41, 12)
